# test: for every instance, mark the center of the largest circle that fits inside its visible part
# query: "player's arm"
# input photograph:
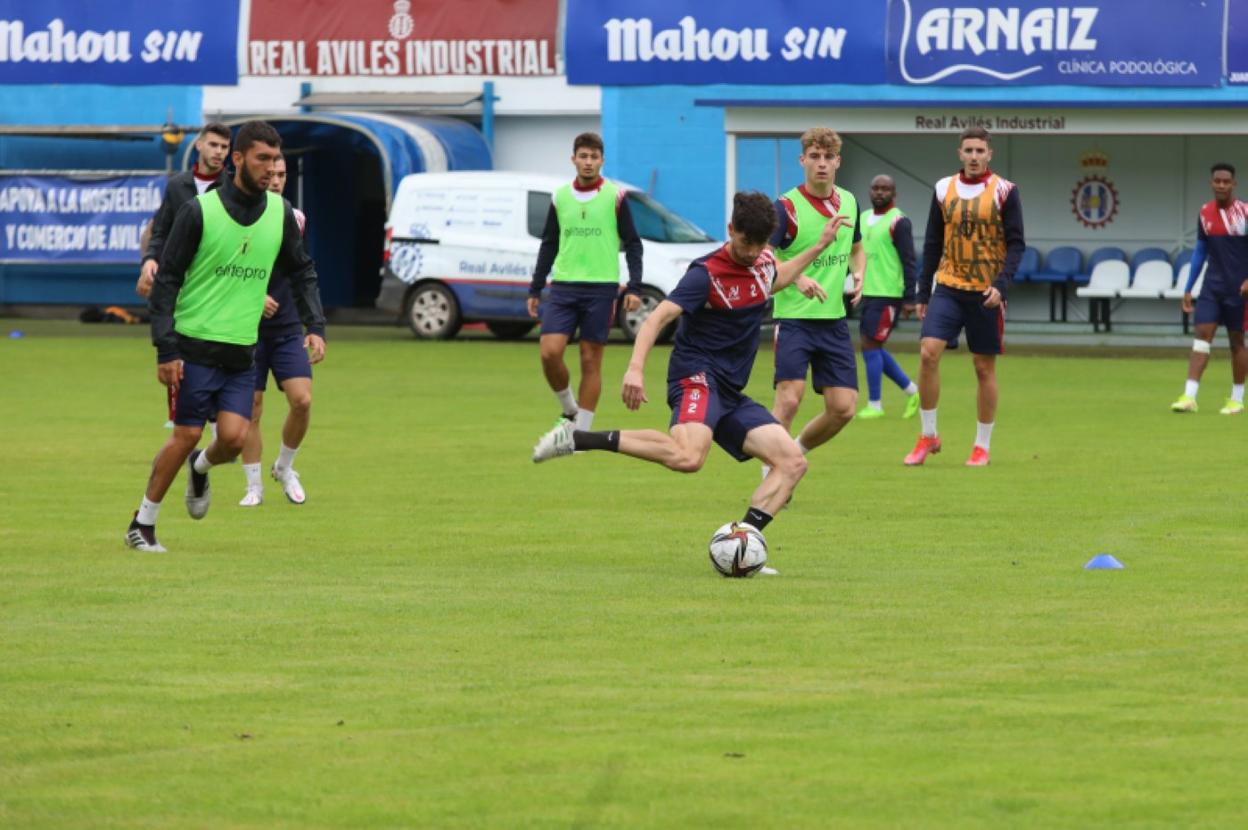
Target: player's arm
(903, 242)
(631, 241)
(1015, 245)
(634, 387)
(933, 245)
(183, 242)
(294, 261)
(857, 265)
(790, 272)
(545, 259)
(1199, 254)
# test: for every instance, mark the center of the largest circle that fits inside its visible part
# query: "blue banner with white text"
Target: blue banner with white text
(1138, 43)
(686, 42)
(62, 219)
(118, 42)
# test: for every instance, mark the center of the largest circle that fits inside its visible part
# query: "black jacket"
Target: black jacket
(178, 191)
(180, 250)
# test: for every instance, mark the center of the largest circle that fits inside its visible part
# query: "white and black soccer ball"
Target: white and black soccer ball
(738, 550)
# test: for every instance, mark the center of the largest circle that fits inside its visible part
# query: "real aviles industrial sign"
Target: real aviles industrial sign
(906, 42)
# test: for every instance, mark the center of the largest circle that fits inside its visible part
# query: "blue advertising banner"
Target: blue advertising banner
(1139, 43)
(733, 41)
(1237, 41)
(59, 219)
(118, 42)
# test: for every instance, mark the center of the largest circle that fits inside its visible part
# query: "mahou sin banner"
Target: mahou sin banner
(396, 38)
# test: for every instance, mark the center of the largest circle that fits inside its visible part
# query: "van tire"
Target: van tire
(630, 322)
(432, 312)
(509, 330)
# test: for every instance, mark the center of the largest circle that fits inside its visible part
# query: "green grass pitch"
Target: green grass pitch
(447, 635)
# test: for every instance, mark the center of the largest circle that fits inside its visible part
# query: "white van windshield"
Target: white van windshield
(658, 224)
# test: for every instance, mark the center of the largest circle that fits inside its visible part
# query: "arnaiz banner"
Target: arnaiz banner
(64, 219)
(118, 42)
(1139, 43)
(398, 38)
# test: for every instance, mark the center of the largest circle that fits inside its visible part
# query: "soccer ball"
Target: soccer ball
(738, 550)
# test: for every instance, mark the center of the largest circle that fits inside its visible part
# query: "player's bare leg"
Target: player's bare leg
(985, 407)
(253, 451)
(930, 351)
(683, 450)
(1239, 370)
(590, 389)
(840, 404)
(788, 399)
(299, 413)
(170, 459)
(1201, 348)
(552, 347)
(772, 445)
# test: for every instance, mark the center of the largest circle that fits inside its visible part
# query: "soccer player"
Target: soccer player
(206, 304)
(1222, 241)
(212, 145)
(280, 350)
(811, 334)
(585, 226)
(887, 293)
(723, 297)
(973, 245)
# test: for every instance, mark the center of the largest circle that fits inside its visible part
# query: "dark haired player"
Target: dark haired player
(723, 299)
(280, 351)
(887, 294)
(213, 146)
(1222, 241)
(206, 305)
(586, 226)
(973, 246)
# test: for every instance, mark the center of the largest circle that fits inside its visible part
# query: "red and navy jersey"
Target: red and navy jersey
(724, 304)
(1225, 234)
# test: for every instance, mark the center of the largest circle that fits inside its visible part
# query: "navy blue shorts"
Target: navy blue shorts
(1221, 309)
(588, 308)
(950, 311)
(206, 390)
(879, 317)
(729, 414)
(284, 356)
(823, 346)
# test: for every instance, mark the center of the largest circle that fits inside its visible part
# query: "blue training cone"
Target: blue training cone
(1103, 562)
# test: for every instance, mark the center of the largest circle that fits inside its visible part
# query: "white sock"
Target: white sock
(584, 419)
(805, 449)
(148, 511)
(927, 418)
(766, 470)
(286, 457)
(212, 425)
(1237, 392)
(875, 404)
(252, 471)
(983, 434)
(1190, 387)
(912, 389)
(567, 401)
(202, 464)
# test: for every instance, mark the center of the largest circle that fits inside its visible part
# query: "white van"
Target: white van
(460, 248)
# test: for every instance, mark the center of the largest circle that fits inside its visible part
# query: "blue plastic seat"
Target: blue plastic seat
(1183, 258)
(1028, 265)
(1062, 265)
(1145, 255)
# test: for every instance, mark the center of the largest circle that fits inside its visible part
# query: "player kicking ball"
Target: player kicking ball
(723, 299)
